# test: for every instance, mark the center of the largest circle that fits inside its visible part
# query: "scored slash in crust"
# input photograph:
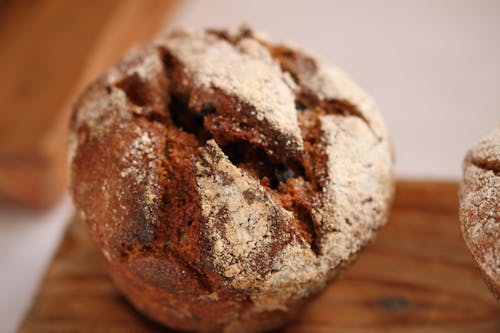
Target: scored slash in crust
(225, 179)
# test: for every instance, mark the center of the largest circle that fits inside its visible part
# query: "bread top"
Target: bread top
(486, 152)
(260, 167)
(479, 206)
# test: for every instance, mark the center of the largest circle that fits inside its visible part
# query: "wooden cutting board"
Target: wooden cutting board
(417, 277)
(50, 51)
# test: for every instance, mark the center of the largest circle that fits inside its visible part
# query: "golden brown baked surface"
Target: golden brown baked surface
(480, 207)
(225, 179)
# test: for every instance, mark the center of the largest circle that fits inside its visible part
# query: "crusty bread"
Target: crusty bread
(480, 207)
(227, 180)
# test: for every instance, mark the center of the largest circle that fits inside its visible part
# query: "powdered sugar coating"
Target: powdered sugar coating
(245, 70)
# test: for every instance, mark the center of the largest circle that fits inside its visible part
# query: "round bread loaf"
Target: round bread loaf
(226, 180)
(480, 207)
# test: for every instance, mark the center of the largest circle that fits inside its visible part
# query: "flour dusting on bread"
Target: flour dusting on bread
(257, 206)
(245, 70)
(479, 206)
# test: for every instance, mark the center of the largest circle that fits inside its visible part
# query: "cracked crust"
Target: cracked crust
(244, 69)
(479, 208)
(227, 180)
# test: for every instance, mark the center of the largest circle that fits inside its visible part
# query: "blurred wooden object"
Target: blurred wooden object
(418, 277)
(50, 51)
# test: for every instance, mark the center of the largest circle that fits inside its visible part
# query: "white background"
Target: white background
(432, 65)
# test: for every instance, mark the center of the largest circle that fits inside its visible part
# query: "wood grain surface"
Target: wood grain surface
(50, 51)
(417, 277)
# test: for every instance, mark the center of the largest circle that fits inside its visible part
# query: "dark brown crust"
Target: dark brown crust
(144, 211)
(260, 148)
(233, 119)
(147, 265)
